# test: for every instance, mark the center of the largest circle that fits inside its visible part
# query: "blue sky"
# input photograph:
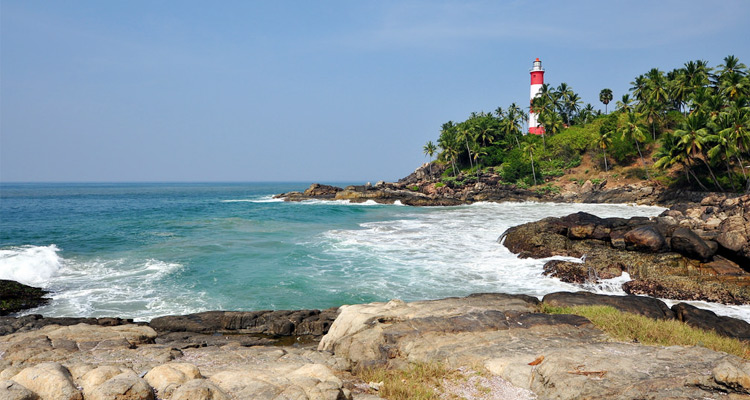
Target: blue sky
(306, 90)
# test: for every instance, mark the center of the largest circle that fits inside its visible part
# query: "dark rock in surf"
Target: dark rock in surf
(708, 320)
(16, 297)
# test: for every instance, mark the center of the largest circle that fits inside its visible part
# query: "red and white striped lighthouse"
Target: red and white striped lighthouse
(537, 80)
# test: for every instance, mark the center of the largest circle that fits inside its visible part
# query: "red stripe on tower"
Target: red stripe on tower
(537, 80)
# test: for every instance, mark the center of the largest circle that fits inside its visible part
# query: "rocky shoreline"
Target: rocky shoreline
(697, 249)
(689, 252)
(424, 188)
(311, 354)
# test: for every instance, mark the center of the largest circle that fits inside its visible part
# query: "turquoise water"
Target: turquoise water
(143, 250)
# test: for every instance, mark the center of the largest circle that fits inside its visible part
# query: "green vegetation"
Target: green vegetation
(418, 381)
(691, 122)
(632, 327)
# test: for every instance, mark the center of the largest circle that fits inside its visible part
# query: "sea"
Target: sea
(142, 250)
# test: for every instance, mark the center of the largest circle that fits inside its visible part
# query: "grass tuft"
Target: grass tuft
(420, 381)
(632, 327)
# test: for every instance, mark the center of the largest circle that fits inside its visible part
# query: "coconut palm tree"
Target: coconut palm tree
(731, 64)
(652, 111)
(672, 152)
(626, 104)
(632, 130)
(429, 150)
(639, 87)
(693, 136)
(529, 147)
(605, 96)
(448, 141)
(604, 141)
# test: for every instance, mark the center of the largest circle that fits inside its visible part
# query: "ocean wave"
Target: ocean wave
(30, 265)
(264, 199)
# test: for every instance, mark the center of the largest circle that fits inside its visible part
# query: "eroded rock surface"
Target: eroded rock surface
(560, 358)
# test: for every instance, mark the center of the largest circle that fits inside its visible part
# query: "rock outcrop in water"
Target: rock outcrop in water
(16, 297)
(424, 188)
(689, 252)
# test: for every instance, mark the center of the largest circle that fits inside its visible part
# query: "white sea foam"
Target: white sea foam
(123, 287)
(31, 265)
(438, 252)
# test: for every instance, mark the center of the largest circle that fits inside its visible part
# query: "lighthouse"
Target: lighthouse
(537, 80)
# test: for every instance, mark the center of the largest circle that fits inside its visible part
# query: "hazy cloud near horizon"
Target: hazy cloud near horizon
(302, 91)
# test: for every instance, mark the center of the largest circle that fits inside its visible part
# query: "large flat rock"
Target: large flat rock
(555, 356)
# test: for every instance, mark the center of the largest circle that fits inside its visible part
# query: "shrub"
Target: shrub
(515, 166)
(439, 184)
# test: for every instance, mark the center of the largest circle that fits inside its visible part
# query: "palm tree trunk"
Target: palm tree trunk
(742, 167)
(533, 173)
(471, 164)
(698, 180)
(605, 160)
(642, 160)
(710, 171)
(729, 173)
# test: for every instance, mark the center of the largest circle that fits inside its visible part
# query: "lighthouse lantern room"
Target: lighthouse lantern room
(537, 80)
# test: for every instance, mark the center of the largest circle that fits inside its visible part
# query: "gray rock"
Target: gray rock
(686, 242)
(708, 320)
(646, 238)
(50, 381)
(647, 306)
(126, 386)
(10, 390)
(199, 389)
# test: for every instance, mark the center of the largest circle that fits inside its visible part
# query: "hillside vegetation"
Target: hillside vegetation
(684, 128)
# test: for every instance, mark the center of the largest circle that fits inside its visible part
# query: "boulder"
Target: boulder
(49, 381)
(275, 323)
(646, 238)
(10, 390)
(311, 381)
(199, 389)
(735, 237)
(16, 296)
(685, 241)
(733, 375)
(708, 320)
(322, 191)
(126, 386)
(647, 306)
(166, 378)
(95, 377)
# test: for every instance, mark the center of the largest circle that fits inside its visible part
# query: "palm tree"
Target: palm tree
(632, 130)
(605, 96)
(737, 129)
(626, 104)
(551, 122)
(693, 135)
(605, 140)
(466, 134)
(733, 85)
(639, 87)
(731, 64)
(652, 111)
(672, 152)
(429, 150)
(448, 141)
(529, 147)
